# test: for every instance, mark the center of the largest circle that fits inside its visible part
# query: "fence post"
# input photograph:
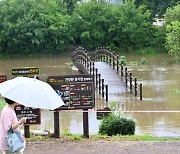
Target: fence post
(87, 62)
(56, 125)
(99, 83)
(90, 67)
(113, 60)
(117, 64)
(94, 55)
(126, 75)
(93, 69)
(96, 77)
(121, 70)
(85, 123)
(110, 59)
(141, 91)
(103, 88)
(106, 93)
(130, 82)
(107, 57)
(135, 86)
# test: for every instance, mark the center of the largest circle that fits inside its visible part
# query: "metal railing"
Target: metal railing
(85, 65)
(103, 54)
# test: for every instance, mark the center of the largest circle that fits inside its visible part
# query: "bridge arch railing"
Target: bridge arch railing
(104, 54)
(85, 65)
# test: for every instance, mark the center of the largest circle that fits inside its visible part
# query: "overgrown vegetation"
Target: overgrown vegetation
(115, 124)
(132, 63)
(2, 104)
(173, 32)
(176, 91)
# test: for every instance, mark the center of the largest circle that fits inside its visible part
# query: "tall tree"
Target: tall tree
(158, 7)
(117, 26)
(28, 26)
(173, 32)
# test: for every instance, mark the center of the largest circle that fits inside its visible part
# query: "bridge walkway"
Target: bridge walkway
(115, 84)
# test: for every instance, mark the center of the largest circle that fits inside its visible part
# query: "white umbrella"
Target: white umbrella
(31, 92)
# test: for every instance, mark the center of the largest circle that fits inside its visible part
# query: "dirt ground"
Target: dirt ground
(103, 147)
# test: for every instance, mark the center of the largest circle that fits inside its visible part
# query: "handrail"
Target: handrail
(105, 54)
(80, 56)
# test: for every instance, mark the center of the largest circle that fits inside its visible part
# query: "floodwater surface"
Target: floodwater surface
(158, 114)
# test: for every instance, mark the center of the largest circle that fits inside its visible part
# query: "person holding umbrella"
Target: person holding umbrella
(9, 119)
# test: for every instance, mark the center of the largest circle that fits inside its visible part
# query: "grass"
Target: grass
(176, 91)
(2, 104)
(68, 137)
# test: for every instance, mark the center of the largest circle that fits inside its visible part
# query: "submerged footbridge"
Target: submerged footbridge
(111, 76)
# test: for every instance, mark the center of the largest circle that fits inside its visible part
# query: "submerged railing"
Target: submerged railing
(85, 63)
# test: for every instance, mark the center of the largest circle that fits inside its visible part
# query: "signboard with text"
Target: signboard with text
(33, 114)
(77, 91)
(3, 78)
(25, 71)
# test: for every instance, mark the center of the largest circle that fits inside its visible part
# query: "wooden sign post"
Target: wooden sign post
(77, 92)
(33, 117)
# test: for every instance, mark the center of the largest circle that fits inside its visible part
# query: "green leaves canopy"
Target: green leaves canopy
(173, 32)
(91, 21)
(28, 26)
(123, 26)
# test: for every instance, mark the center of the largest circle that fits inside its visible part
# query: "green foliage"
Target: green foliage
(128, 26)
(158, 40)
(28, 26)
(148, 50)
(113, 106)
(173, 32)
(72, 137)
(114, 124)
(2, 104)
(132, 63)
(70, 4)
(158, 7)
(143, 61)
(91, 22)
(123, 60)
(49, 26)
(122, 27)
(176, 91)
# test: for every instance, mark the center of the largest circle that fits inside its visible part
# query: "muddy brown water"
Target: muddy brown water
(158, 114)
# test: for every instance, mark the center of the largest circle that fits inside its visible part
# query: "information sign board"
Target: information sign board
(3, 78)
(77, 91)
(33, 114)
(25, 71)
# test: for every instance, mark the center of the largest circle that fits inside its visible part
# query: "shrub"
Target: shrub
(114, 124)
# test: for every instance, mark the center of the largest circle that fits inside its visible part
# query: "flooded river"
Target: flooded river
(158, 114)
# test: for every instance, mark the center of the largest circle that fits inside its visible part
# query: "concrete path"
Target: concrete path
(111, 78)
